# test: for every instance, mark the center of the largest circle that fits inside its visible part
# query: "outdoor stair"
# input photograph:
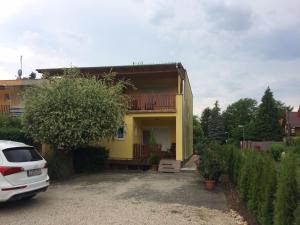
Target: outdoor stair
(190, 166)
(169, 166)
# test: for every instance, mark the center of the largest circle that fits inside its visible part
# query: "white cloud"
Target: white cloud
(231, 49)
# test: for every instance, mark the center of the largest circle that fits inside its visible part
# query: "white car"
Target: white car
(23, 171)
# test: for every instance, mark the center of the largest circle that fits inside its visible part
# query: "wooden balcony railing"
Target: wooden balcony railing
(142, 152)
(4, 109)
(152, 102)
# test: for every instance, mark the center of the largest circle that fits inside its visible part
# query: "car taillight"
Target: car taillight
(6, 170)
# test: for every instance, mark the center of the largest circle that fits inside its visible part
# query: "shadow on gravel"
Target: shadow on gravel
(189, 193)
(19, 205)
(103, 176)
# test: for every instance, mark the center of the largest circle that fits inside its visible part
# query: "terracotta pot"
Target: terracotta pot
(209, 184)
(154, 167)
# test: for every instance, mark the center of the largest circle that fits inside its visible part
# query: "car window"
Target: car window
(21, 154)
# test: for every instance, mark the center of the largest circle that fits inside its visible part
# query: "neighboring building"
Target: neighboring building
(10, 95)
(292, 123)
(161, 104)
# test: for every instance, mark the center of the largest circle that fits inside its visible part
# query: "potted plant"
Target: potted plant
(154, 161)
(211, 164)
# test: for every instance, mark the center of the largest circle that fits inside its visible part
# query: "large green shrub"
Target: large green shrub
(75, 110)
(287, 193)
(89, 159)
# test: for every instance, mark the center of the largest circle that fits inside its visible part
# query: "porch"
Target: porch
(142, 152)
(154, 135)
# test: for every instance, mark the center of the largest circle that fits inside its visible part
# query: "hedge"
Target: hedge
(59, 165)
(11, 129)
(13, 134)
(272, 197)
(89, 159)
(287, 194)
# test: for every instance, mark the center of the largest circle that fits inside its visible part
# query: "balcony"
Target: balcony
(152, 103)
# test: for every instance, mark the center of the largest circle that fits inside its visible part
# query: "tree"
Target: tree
(197, 130)
(32, 76)
(70, 111)
(216, 124)
(205, 120)
(267, 126)
(241, 112)
(282, 108)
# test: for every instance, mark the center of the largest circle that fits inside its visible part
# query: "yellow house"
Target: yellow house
(160, 106)
(10, 95)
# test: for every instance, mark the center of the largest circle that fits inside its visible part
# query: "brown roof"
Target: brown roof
(294, 119)
(126, 69)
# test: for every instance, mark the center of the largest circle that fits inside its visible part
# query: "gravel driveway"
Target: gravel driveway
(122, 198)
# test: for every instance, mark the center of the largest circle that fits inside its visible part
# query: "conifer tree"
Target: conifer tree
(205, 120)
(216, 124)
(267, 127)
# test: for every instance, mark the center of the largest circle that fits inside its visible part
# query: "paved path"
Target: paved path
(122, 198)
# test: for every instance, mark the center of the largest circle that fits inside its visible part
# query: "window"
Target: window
(21, 154)
(121, 133)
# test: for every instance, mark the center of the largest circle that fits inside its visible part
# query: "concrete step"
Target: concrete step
(169, 166)
(188, 170)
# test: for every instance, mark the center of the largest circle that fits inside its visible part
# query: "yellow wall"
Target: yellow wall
(188, 119)
(179, 130)
(122, 149)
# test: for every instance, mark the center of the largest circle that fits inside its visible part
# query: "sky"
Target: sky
(231, 49)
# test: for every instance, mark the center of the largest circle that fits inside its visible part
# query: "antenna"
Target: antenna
(20, 70)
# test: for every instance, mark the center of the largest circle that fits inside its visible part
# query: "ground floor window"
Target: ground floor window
(121, 133)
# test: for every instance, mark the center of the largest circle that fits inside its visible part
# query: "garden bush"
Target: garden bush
(89, 159)
(154, 159)
(275, 151)
(212, 161)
